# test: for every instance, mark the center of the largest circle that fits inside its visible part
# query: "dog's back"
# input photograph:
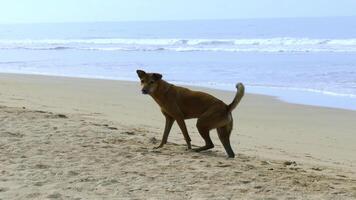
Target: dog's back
(194, 103)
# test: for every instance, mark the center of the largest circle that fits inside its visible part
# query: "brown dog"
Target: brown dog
(179, 103)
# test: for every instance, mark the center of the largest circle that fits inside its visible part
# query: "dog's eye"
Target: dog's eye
(151, 82)
(142, 81)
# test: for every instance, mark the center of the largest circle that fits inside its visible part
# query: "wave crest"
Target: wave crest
(224, 45)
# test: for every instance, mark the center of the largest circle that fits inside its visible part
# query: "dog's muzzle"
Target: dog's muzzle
(144, 91)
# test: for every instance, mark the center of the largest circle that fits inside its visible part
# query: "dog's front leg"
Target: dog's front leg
(184, 130)
(167, 129)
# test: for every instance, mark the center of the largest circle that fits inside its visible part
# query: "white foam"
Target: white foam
(225, 45)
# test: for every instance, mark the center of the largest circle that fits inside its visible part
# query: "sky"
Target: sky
(35, 11)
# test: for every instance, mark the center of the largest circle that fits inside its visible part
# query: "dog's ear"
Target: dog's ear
(156, 76)
(140, 73)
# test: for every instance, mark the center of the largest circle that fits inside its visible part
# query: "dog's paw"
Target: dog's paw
(189, 146)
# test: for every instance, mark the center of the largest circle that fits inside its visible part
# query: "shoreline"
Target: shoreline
(306, 97)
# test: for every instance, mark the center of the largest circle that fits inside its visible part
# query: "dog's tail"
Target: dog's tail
(239, 94)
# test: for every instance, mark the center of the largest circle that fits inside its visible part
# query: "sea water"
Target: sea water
(307, 61)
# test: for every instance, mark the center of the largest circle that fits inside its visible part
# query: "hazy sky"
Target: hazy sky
(28, 11)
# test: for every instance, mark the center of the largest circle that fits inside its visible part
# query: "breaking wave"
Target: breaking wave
(182, 45)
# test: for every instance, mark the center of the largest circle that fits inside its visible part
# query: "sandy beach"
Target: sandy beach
(72, 138)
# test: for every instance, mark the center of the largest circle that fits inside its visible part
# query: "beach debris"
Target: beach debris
(112, 128)
(317, 169)
(258, 187)
(342, 176)
(249, 166)
(245, 181)
(221, 164)
(95, 124)
(155, 151)
(153, 140)
(61, 116)
(41, 166)
(224, 165)
(105, 125)
(55, 195)
(289, 163)
(3, 189)
(39, 183)
(128, 132)
(11, 134)
(73, 173)
(39, 111)
(263, 162)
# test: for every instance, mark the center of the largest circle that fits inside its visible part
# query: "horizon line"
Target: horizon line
(175, 20)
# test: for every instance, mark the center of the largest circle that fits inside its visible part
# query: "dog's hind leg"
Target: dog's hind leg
(204, 132)
(204, 124)
(213, 118)
(224, 136)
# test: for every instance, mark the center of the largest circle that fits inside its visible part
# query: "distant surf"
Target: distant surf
(285, 44)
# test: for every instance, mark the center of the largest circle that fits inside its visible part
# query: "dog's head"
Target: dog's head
(149, 81)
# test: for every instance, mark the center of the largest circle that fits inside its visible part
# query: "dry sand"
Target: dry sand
(67, 138)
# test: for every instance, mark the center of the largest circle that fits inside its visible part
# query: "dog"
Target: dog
(179, 103)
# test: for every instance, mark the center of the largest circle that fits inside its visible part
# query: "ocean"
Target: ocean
(308, 61)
